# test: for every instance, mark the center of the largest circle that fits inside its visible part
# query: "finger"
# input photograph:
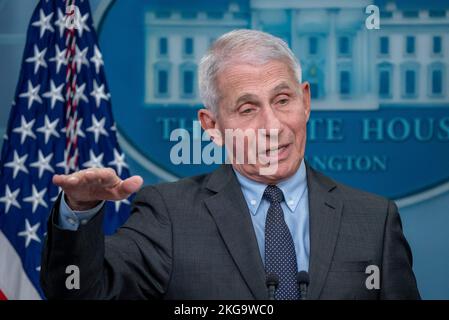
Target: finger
(66, 181)
(103, 177)
(109, 178)
(58, 179)
(132, 184)
(128, 186)
(91, 176)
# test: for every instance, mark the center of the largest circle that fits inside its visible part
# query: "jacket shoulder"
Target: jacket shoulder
(356, 198)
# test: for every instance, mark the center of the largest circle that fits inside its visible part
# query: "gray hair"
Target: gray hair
(251, 46)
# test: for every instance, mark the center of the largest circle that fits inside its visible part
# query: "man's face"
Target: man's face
(265, 97)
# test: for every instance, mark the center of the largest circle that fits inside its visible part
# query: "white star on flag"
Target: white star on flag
(59, 58)
(118, 162)
(61, 23)
(57, 195)
(37, 198)
(25, 129)
(66, 164)
(80, 58)
(18, 164)
(81, 24)
(78, 130)
(44, 23)
(95, 161)
(97, 128)
(49, 129)
(30, 233)
(10, 199)
(43, 163)
(79, 94)
(98, 93)
(38, 59)
(119, 202)
(54, 94)
(32, 94)
(97, 59)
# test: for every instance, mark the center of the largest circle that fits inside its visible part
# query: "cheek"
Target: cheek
(297, 124)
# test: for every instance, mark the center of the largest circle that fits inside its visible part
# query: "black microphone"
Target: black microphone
(272, 282)
(303, 282)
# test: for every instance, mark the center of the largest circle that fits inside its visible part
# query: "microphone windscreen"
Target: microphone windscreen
(272, 279)
(302, 277)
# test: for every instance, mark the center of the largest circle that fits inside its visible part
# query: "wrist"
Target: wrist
(81, 205)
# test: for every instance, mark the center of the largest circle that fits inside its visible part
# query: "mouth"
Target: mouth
(279, 152)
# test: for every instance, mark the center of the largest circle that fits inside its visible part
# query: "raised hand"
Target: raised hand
(85, 189)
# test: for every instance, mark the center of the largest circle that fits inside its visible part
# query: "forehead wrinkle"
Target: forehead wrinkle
(233, 78)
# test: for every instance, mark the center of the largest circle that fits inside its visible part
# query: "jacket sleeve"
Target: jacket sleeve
(397, 278)
(134, 263)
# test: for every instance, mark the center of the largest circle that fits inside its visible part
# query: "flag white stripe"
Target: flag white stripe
(14, 282)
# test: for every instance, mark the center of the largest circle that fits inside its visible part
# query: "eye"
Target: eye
(247, 108)
(283, 101)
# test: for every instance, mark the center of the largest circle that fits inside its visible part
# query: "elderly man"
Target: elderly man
(234, 233)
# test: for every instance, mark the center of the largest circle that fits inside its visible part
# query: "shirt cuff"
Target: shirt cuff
(70, 219)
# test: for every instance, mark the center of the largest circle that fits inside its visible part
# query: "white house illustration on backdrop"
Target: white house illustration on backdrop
(403, 64)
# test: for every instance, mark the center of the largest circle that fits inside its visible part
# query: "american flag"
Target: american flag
(61, 121)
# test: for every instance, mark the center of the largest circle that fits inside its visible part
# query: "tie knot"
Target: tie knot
(273, 194)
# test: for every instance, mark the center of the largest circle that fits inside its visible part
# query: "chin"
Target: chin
(284, 171)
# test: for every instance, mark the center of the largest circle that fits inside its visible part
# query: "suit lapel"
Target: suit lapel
(325, 216)
(230, 212)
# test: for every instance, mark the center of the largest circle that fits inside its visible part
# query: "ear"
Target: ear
(209, 124)
(305, 89)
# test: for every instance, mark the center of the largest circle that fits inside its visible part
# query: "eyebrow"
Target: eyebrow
(252, 97)
(245, 98)
(279, 87)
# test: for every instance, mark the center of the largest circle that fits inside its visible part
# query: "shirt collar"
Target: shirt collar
(293, 189)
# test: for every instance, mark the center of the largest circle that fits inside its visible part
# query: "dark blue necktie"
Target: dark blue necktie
(280, 256)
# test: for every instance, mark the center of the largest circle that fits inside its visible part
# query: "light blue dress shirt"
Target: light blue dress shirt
(70, 219)
(295, 207)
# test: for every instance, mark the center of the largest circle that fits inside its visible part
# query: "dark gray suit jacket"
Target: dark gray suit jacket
(194, 239)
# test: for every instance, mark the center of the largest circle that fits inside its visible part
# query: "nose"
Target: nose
(271, 121)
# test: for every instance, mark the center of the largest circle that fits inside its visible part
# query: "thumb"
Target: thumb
(130, 185)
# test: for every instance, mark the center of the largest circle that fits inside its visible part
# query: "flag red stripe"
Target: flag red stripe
(2, 296)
